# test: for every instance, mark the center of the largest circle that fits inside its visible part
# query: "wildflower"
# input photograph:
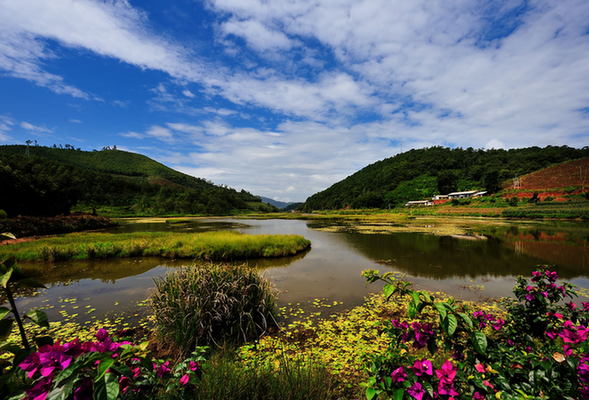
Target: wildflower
(478, 396)
(193, 365)
(423, 333)
(529, 297)
(480, 368)
(447, 371)
(498, 324)
(184, 380)
(398, 375)
(488, 384)
(421, 367)
(124, 383)
(446, 375)
(416, 391)
(162, 369)
(136, 372)
(583, 372)
(551, 275)
(572, 306)
(573, 334)
(585, 305)
(102, 335)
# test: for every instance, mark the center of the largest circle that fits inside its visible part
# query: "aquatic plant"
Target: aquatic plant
(540, 349)
(212, 304)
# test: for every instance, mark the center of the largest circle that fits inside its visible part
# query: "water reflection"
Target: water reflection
(471, 269)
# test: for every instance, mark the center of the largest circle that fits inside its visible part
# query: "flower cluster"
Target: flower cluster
(420, 333)
(541, 335)
(49, 360)
(483, 319)
(86, 358)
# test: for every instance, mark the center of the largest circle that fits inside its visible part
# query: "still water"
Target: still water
(472, 267)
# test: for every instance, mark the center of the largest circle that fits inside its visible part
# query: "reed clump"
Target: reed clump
(211, 304)
(212, 246)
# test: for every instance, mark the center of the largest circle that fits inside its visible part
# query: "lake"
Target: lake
(476, 266)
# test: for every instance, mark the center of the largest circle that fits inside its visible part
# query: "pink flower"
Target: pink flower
(585, 305)
(416, 391)
(136, 372)
(572, 306)
(446, 387)
(193, 365)
(573, 334)
(480, 368)
(102, 334)
(498, 324)
(162, 370)
(184, 380)
(398, 375)
(478, 396)
(447, 371)
(421, 367)
(488, 384)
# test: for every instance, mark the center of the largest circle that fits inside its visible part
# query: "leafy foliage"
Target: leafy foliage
(454, 169)
(49, 181)
(540, 349)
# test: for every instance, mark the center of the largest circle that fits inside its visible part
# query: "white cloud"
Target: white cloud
(258, 36)
(34, 128)
(75, 121)
(188, 93)
(108, 28)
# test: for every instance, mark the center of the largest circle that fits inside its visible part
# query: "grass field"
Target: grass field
(218, 246)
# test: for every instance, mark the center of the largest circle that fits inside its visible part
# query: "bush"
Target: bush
(539, 349)
(212, 304)
(548, 198)
(513, 201)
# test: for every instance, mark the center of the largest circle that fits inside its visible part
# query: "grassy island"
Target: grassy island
(217, 246)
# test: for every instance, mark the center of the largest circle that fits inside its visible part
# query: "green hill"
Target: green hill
(436, 170)
(50, 181)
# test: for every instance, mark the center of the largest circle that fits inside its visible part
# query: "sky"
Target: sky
(285, 98)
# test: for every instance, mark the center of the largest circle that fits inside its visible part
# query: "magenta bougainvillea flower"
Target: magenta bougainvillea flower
(416, 391)
(421, 367)
(399, 375)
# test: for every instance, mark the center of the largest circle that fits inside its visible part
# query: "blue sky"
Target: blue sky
(284, 98)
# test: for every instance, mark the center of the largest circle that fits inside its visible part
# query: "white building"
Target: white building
(421, 203)
(464, 195)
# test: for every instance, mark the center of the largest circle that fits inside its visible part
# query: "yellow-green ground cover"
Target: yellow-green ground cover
(342, 342)
(221, 246)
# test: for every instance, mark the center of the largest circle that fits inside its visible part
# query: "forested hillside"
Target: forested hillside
(50, 181)
(421, 173)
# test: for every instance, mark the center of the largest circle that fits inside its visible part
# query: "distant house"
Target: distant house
(440, 197)
(419, 203)
(464, 195)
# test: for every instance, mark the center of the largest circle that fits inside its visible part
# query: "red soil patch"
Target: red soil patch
(570, 173)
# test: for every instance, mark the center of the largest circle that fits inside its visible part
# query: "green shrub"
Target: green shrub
(212, 304)
(513, 201)
(548, 198)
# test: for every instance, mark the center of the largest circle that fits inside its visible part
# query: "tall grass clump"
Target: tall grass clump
(224, 378)
(211, 304)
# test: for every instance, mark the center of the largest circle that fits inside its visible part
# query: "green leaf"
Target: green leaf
(411, 310)
(38, 317)
(370, 393)
(450, 324)
(61, 392)
(6, 277)
(103, 366)
(3, 312)
(441, 310)
(5, 328)
(398, 394)
(479, 341)
(466, 320)
(112, 387)
(388, 290)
